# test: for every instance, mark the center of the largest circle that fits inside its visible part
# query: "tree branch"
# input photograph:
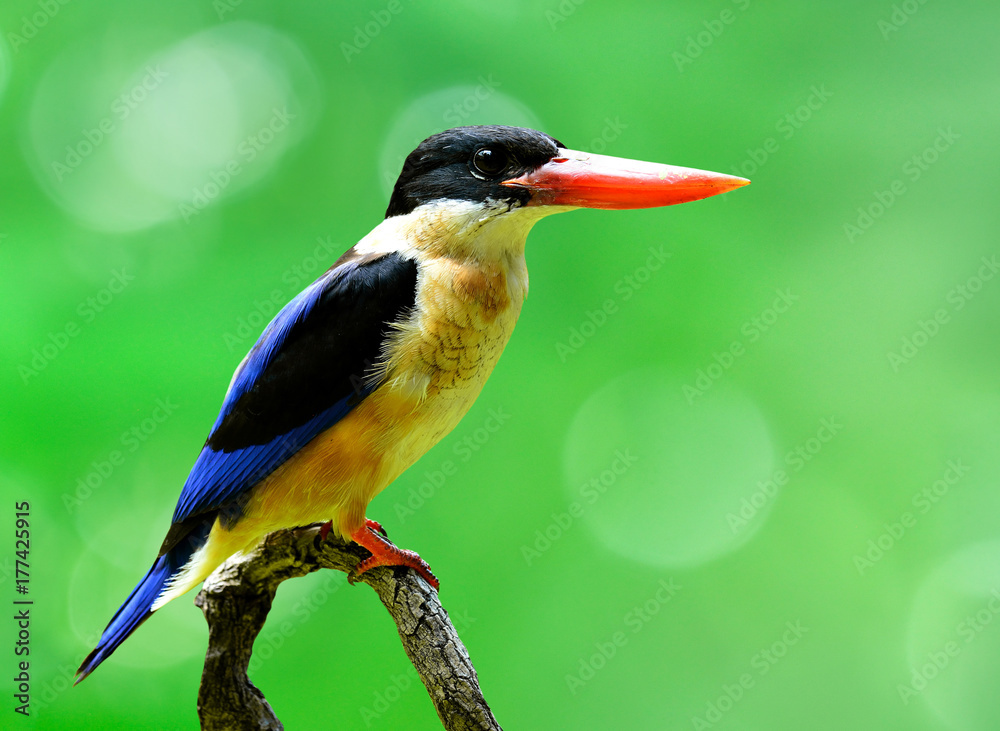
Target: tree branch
(237, 597)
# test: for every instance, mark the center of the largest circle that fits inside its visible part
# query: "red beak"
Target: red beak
(600, 181)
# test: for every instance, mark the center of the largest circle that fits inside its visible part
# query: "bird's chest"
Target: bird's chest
(440, 359)
(467, 314)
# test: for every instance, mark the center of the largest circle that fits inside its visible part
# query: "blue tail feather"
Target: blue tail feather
(137, 608)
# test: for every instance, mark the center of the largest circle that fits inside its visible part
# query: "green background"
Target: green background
(778, 335)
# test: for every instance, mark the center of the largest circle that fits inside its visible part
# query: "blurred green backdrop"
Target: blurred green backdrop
(738, 467)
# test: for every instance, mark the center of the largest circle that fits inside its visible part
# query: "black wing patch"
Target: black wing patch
(305, 373)
(325, 358)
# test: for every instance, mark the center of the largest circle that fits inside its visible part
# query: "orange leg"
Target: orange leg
(324, 530)
(385, 553)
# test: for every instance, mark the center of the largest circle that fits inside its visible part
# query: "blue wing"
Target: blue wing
(307, 370)
(304, 374)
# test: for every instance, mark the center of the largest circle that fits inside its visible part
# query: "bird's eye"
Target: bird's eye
(489, 161)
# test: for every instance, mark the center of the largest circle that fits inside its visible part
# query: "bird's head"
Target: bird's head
(503, 179)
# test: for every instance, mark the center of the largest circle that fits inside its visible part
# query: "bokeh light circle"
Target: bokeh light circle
(953, 640)
(660, 480)
(455, 106)
(191, 125)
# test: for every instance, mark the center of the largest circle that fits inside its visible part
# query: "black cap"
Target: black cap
(469, 164)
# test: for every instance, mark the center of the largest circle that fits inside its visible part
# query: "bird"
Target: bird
(377, 360)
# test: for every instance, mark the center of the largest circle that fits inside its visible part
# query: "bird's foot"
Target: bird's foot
(384, 553)
(324, 530)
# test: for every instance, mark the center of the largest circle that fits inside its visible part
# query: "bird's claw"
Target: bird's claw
(384, 553)
(399, 557)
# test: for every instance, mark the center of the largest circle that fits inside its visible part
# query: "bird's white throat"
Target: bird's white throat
(459, 229)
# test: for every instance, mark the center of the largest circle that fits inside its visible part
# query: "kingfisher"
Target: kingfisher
(377, 360)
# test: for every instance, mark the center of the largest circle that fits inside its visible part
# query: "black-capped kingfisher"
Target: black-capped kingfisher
(378, 359)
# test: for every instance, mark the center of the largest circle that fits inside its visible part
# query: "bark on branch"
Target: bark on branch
(237, 597)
